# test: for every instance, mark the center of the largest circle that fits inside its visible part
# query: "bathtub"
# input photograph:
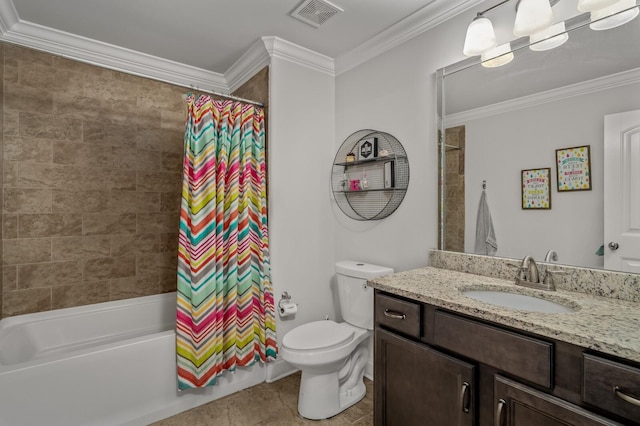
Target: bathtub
(111, 363)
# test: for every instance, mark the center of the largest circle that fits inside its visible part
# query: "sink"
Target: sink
(520, 302)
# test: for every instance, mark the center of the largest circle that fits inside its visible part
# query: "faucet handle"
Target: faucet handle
(553, 277)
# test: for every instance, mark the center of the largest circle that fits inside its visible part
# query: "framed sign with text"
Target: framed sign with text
(536, 189)
(574, 169)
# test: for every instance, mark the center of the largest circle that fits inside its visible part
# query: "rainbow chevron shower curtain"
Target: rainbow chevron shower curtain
(225, 309)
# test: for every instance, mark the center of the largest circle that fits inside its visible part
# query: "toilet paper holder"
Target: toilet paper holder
(285, 306)
(285, 297)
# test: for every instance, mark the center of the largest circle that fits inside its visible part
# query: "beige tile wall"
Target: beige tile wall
(1, 157)
(91, 170)
(92, 177)
(454, 190)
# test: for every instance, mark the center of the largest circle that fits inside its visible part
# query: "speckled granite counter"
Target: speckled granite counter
(607, 325)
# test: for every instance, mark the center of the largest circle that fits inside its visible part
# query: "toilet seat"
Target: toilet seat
(317, 335)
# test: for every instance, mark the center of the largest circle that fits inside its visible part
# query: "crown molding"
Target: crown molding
(252, 61)
(8, 15)
(13, 30)
(429, 16)
(603, 83)
(282, 49)
(109, 56)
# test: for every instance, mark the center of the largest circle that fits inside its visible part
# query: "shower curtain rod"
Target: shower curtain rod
(223, 95)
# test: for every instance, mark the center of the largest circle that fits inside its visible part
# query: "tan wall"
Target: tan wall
(92, 178)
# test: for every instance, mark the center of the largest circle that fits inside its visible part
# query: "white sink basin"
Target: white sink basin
(518, 301)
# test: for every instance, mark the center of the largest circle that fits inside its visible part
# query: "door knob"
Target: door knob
(614, 246)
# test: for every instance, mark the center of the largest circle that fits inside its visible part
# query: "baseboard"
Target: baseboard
(279, 369)
(368, 370)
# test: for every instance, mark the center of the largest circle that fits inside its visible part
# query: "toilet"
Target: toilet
(332, 356)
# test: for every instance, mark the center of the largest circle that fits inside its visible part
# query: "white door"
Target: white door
(622, 191)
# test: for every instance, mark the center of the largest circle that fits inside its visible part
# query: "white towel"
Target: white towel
(485, 235)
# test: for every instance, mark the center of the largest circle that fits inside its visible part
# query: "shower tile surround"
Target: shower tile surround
(92, 162)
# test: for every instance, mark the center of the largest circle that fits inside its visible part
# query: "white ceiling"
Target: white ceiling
(214, 34)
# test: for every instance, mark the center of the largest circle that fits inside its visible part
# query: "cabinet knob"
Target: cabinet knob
(614, 246)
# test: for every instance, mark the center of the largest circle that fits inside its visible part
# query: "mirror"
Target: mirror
(501, 121)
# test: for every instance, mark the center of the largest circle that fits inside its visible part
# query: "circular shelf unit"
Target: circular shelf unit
(370, 175)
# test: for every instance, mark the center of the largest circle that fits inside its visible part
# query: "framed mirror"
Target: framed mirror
(494, 123)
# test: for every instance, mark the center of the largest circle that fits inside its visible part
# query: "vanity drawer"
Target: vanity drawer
(611, 386)
(399, 315)
(521, 356)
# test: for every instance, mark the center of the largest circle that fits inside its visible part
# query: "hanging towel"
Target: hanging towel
(485, 235)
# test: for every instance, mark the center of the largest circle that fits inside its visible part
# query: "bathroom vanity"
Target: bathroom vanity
(442, 358)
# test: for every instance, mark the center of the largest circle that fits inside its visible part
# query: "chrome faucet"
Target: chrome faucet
(529, 276)
(528, 272)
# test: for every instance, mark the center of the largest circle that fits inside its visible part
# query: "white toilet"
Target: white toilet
(332, 356)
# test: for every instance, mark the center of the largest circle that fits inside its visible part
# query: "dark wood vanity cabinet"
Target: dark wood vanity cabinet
(519, 405)
(435, 367)
(416, 385)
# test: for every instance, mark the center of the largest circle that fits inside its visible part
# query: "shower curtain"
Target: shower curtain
(225, 307)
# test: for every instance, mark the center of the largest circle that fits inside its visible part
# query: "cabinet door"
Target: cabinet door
(416, 385)
(519, 405)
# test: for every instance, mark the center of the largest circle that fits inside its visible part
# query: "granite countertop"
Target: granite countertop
(604, 324)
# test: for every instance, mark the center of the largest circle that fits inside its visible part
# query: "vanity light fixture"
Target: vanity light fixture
(497, 57)
(619, 13)
(591, 5)
(480, 36)
(550, 38)
(532, 16)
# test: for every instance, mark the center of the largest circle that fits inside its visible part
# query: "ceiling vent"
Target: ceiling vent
(315, 12)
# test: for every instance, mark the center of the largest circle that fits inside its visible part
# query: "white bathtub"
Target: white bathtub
(111, 363)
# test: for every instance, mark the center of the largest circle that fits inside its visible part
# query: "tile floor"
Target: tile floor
(268, 404)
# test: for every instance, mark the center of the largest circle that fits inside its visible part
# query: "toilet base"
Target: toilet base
(321, 398)
(323, 395)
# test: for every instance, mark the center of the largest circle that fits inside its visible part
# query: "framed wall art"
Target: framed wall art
(536, 189)
(574, 169)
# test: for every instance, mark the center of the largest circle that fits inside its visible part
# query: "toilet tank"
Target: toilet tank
(356, 297)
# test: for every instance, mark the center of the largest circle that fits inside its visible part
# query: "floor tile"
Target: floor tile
(270, 404)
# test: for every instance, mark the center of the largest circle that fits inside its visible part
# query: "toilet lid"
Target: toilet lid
(317, 335)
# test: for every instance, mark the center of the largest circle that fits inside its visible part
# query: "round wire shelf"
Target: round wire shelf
(370, 175)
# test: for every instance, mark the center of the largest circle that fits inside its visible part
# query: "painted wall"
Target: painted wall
(527, 138)
(300, 218)
(395, 93)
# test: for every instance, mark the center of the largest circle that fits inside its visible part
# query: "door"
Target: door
(416, 385)
(518, 405)
(622, 191)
